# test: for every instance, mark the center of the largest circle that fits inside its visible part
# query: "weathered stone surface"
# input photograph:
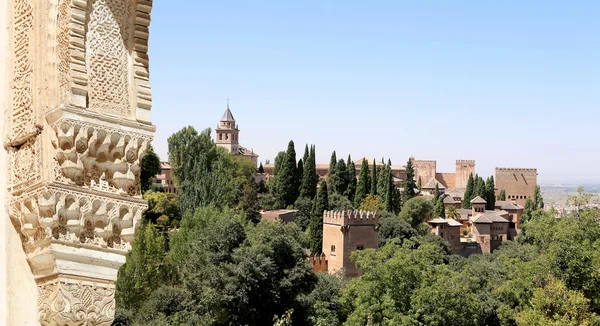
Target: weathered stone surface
(76, 127)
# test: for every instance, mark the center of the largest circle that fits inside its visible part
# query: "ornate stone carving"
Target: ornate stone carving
(74, 217)
(108, 40)
(98, 157)
(65, 301)
(23, 117)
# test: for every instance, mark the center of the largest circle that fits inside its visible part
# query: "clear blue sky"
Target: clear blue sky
(506, 83)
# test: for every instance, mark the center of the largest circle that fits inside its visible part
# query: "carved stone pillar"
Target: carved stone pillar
(78, 125)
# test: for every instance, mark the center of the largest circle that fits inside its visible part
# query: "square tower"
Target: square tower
(345, 232)
(464, 168)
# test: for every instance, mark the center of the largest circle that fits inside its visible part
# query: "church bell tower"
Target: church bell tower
(228, 132)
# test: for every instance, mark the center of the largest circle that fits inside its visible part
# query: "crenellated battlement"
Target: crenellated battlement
(465, 161)
(516, 170)
(355, 217)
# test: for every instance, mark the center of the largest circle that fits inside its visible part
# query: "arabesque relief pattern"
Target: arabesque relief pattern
(107, 49)
(65, 301)
(78, 127)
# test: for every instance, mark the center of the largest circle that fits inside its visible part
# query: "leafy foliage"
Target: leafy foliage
(415, 211)
(372, 203)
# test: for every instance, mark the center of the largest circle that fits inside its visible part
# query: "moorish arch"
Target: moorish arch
(76, 126)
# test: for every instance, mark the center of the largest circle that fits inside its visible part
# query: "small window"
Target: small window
(333, 250)
(360, 247)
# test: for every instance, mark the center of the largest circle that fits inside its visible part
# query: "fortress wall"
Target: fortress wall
(447, 179)
(519, 184)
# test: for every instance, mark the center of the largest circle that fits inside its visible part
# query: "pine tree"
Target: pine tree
(419, 183)
(343, 180)
(316, 221)
(309, 177)
(374, 179)
(363, 185)
(468, 196)
(490, 191)
(261, 169)
(409, 183)
(351, 190)
(287, 178)
(538, 200)
(502, 195)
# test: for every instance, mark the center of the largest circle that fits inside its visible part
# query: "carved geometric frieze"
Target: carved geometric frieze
(64, 300)
(77, 218)
(25, 164)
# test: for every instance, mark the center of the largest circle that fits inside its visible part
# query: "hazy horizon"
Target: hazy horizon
(506, 84)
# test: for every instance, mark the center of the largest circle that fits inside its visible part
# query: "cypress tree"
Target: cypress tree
(490, 193)
(261, 169)
(316, 221)
(341, 177)
(382, 180)
(468, 196)
(439, 209)
(287, 178)
(374, 179)
(389, 194)
(479, 188)
(278, 164)
(419, 183)
(351, 190)
(409, 183)
(538, 200)
(309, 177)
(306, 154)
(502, 195)
(332, 164)
(363, 185)
(299, 175)
(436, 194)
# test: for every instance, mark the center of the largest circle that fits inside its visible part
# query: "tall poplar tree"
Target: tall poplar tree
(468, 196)
(316, 221)
(364, 184)
(288, 177)
(332, 165)
(374, 178)
(419, 185)
(382, 180)
(490, 193)
(409, 183)
(351, 190)
(389, 193)
(438, 209)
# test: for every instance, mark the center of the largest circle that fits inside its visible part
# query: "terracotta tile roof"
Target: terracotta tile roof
(478, 200)
(431, 184)
(488, 217)
(448, 221)
(449, 200)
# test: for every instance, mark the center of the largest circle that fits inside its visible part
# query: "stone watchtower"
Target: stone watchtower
(228, 132)
(345, 232)
(464, 168)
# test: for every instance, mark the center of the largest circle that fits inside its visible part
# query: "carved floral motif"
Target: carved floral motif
(63, 301)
